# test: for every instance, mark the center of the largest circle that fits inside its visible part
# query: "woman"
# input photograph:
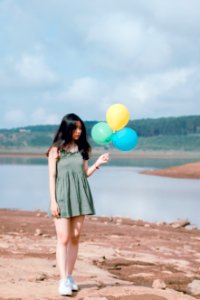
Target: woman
(70, 195)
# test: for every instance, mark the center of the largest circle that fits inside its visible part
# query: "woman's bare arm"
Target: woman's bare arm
(52, 160)
(104, 158)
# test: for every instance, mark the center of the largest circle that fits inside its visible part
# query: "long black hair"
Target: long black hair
(63, 135)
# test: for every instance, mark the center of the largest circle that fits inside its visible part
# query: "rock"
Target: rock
(46, 235)
(95, 298)
(14, 233)
(102, 260)
(193, 288)
(119, 221)
(52, 251)
(38, 215)
(159, 284)
(180, 223)
(191, 227)
(160, 223)
(38, 232)
(147, 225)
(41, 277)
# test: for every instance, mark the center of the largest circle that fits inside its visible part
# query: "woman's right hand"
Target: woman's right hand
(55, 209)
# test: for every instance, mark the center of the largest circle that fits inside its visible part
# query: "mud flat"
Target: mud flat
(119, 258)
(191, 170)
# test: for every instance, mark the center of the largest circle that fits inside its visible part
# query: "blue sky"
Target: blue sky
(60, 56)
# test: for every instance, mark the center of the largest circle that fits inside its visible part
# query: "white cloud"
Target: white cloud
(15, 117)
(155, 85)
(144, 54)
(33, 70)
(26, 71)
(82, 89)
(155, 94)
(124, 42)
(41, 116)
(178, 16)
(83, 97)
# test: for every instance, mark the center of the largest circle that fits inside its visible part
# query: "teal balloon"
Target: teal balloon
(102, 133)
(125, 139)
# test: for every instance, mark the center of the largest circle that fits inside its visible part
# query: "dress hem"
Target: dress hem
(71, 216)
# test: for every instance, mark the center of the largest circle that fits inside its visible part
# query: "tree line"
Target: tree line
(144, 127)
(173, 132)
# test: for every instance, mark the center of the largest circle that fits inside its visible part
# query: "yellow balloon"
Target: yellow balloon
(117, 116)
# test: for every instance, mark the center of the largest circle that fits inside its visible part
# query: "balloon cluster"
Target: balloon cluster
(114, 130)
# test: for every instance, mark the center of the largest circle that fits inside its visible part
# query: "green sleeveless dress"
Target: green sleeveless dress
(73, 192)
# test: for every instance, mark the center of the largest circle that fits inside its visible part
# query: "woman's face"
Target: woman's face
(76, 133)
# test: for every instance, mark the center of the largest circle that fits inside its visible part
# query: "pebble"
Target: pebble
(119, 221)
(41, 277)
(102, 259)
(180, 223)
(159, 284)
(95, 298)
(46, 235)
(52, 251)
(160, 223)
(192, 227)
(193, 288)
(147, 225)
(38, 232)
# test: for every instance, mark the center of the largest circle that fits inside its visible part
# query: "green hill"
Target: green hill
(172, 133)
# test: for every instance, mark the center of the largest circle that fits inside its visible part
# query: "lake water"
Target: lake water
(119, 189)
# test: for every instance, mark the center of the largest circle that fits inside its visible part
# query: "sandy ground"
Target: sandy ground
(191, 170)
(118, 258)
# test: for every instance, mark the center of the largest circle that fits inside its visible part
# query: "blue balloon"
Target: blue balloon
(125, 139)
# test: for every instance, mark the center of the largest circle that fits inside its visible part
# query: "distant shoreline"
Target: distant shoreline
(187, 171)
(160, 154)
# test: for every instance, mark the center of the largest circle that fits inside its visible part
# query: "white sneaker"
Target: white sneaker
(70, 280)
(64, 288)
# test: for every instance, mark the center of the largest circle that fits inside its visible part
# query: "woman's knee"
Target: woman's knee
(74, 238)
(62, 239)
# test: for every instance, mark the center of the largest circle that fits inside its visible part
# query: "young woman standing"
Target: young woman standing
(70, 195)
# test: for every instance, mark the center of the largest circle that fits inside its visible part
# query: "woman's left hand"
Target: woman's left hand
(103, 159)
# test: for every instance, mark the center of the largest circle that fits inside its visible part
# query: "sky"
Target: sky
(82, 56)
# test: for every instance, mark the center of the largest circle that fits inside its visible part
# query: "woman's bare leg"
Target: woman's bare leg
(63, 236)
(75, 230)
